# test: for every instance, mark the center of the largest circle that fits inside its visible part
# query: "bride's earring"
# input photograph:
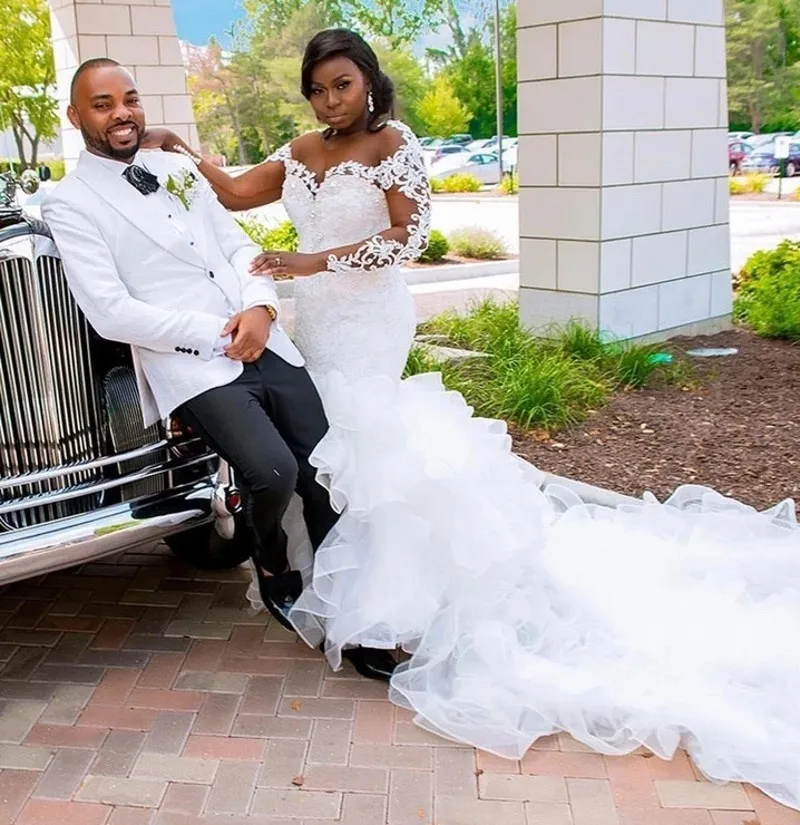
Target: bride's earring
(370, 103)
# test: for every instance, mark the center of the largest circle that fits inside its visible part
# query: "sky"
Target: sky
(197, 20)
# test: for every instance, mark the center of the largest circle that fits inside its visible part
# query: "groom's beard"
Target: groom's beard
(104, 147)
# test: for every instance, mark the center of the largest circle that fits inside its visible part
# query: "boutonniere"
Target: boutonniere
(182, 186)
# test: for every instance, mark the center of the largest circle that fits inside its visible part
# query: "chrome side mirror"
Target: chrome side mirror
(29, 182)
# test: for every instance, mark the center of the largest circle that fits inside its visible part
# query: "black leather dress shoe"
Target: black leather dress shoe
(371, 663)
(279, 593)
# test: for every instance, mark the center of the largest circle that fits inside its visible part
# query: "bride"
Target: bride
(525, 610)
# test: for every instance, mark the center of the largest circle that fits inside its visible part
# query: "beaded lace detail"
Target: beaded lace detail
(404, 170)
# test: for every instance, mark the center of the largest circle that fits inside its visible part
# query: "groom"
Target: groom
(167, 273)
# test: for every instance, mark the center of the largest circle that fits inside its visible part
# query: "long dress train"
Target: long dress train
(526, 611)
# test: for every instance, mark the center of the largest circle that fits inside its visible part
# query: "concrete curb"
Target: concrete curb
(436, 274)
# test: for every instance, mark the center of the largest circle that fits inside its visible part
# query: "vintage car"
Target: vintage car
(80, 476)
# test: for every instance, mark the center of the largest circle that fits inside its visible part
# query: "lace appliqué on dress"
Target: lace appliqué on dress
(292, 166)
(405, 169)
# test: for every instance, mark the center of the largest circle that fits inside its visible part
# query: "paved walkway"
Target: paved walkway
(136, 691)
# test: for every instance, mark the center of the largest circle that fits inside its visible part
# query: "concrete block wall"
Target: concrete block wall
(623, 164)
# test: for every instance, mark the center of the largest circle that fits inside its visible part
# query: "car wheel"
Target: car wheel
(204, 548)
(791, 170)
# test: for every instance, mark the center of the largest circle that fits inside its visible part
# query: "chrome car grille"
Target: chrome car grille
(50, 414)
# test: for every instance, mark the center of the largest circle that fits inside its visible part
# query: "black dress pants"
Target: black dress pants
(265, 424)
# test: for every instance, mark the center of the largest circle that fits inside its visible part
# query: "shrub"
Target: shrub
(768, 292)
(533, 381)
(57, 169)
(752, 183)
(420, 360)
(282, 237)
(438, 247)
(479, 243)
(456, 184)
(509, 185)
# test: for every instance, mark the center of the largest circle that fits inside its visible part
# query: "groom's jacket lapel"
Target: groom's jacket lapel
(133, 206)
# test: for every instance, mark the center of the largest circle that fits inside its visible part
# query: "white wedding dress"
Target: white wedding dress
(526, 611)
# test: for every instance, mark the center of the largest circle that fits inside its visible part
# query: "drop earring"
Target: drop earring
(370, 103)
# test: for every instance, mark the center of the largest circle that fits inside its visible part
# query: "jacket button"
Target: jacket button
(177, 349)
(197, 352)
(210, 274)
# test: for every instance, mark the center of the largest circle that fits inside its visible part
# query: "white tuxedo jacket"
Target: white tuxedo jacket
(139, 281)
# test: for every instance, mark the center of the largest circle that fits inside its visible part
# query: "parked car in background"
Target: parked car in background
(738, 150)
(490, 144)
(739, 135)
(459, 140)
(482, 165)
(447, 150)
(80, 475)
(760, 140)
(762, 158)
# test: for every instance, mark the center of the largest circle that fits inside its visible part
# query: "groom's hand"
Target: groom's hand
(250, 332)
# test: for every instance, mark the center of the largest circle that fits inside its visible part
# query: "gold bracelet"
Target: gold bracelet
(188, 154)
(271, 311)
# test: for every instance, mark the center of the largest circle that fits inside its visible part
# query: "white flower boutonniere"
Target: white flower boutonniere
(182, 186)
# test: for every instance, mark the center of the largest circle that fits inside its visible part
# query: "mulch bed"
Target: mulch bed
(734, 426)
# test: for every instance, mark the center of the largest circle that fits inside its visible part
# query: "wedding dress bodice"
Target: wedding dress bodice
(356, 317)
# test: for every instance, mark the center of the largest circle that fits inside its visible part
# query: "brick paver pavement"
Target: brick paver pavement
(136, 691)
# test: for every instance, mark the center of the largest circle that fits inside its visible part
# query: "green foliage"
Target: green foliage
(534, 382)
(477, 242)
(419, 361)
(768, 292)
(399, 23)
(438, 247)
(410, 82)
(57, 168)
(763, 46)
(281, 237)
(509, 185)
(27, 76)
(472, 72)
(754, 183)
(455, 184)
(441, 112)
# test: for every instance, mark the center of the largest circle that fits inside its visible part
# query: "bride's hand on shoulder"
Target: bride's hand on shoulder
(286, 264)
(159, 137)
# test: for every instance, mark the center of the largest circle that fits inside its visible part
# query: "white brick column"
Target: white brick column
(140, 34)
(623, 165)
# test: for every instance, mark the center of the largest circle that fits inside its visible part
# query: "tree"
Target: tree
(215, 98)
(472, 74)
(399, 23)
(409, 79)
(441, 112)
(27, 76)
(266, 63)
(472, 79)
(763, 62)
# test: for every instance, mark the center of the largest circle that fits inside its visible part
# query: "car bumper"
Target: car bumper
(66, 542)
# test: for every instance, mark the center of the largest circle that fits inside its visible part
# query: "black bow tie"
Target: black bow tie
(138, 177)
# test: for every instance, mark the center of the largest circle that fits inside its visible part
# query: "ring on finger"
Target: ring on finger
(278, 260)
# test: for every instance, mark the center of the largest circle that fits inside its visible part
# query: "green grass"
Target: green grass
(547, 382)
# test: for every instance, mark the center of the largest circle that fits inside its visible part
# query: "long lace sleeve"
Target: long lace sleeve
(402, 173)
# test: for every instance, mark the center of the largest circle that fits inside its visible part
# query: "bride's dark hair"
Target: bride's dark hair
(350, 44)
